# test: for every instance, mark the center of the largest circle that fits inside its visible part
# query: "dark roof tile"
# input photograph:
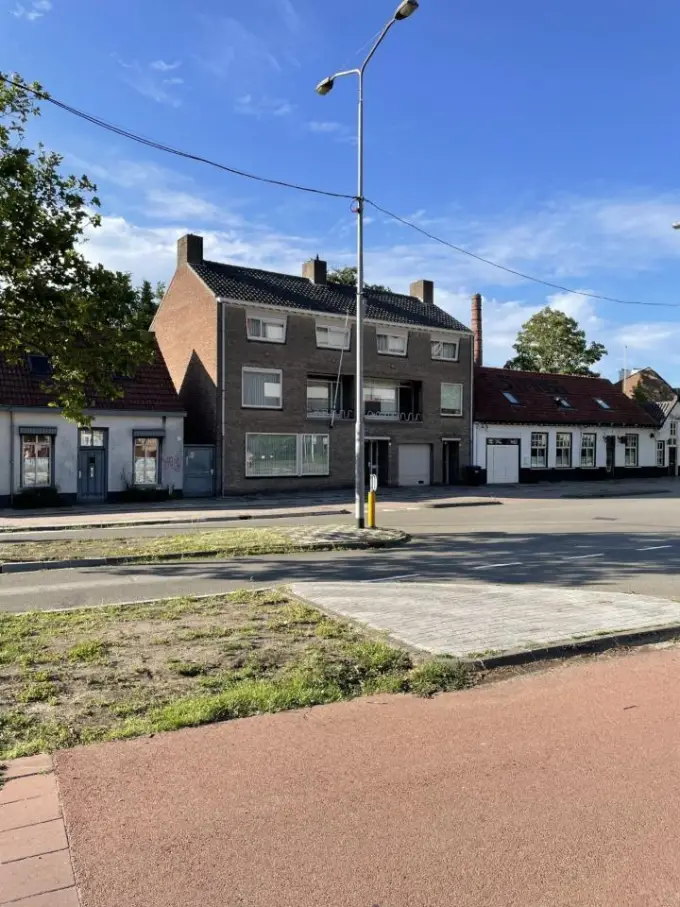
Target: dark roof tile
(290, 292)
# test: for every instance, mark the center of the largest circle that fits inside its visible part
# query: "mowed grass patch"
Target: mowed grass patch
(87, 675)
(219, 543)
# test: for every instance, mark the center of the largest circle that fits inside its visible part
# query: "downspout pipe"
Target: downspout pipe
(11, 456)
(223, 393)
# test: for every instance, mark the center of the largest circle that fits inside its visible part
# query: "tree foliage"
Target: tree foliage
(85, 318)
(551, 341)
(148, 300)
(348, 277)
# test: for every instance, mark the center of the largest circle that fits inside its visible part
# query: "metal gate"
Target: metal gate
(199, 471)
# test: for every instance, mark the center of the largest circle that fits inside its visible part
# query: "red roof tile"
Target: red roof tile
(537, 395)
(151, 390)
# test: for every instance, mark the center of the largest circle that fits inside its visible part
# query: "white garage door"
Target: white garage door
(502, 461)
(414, 464)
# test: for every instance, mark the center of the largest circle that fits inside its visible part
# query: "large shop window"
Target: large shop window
(147, 459)
(287, 455)
(36, 460)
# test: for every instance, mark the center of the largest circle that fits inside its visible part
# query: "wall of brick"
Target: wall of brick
(186, 327)
(298, 358)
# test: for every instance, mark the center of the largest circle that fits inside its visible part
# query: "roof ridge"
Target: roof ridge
(518, 371)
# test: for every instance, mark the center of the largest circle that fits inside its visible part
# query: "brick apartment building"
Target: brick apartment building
(265, 362)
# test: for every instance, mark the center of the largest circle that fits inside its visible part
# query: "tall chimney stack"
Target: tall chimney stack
(476, 325)
(316, 270)
(190, 250)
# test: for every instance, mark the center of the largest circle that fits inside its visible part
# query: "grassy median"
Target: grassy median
(73, 677)
(219, 543)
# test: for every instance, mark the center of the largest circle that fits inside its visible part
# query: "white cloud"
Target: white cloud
(175, 80)
(35, 10)
(247, 105)
(162, 66)
(326, 127)
(149, 83)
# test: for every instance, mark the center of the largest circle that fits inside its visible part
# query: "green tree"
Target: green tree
(53, 301)
(148, 300)
(551, 341)
(348, 277)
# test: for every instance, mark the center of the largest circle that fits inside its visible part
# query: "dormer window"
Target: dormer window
(39, 365)
(511, 398)
(602, 404)
(563, 403)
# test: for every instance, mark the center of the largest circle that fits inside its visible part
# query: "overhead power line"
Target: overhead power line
(168, 149)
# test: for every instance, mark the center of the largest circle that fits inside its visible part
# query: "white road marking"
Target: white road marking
(492, 566)
(391, 579)
(580, 557)
(654, 548)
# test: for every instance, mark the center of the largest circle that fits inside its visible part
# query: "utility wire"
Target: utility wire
(150, 143)
(494, 264)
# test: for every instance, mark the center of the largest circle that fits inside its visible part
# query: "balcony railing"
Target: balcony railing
(378, 415)
(338, 414)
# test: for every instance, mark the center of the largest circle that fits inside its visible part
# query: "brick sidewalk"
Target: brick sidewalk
(35, 863)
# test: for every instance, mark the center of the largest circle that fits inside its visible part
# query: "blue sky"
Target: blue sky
(542, 136)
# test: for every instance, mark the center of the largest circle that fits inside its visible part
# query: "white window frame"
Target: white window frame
(630, 449)
(300, 469)
(673, 430)
(264, 320)
(543, 436)
(447, 414)
(661, 449)
(147, 459)
(560, 436)
(248, 369)
(592, 449)
(32, 438)
(341, 344)
(439, 342)
(391, 335)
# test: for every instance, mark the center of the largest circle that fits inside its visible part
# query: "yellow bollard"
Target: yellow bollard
(371, 510)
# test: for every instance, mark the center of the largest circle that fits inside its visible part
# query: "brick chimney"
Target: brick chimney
(424, 291)
(190, 250)
(315, 270)
(476, 325)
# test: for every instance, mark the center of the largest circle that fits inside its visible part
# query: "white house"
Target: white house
(134, 442)
(531, 427)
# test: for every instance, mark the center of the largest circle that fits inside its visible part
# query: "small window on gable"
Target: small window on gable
(602, 404)
(39, 365)
(265, 329)
(511, 398)
(563, 403)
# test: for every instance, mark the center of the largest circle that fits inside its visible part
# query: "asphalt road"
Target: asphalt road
(624, 544)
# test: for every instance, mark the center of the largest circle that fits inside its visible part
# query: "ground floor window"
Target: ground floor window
(36, 460)
(287, 455)
(660, 453)
(588, 448)
(539, 450)
(631, 453)
(563, 450)
(147, 460)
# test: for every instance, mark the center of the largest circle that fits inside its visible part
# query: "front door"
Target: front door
(199, 471)
(610, 441)
(673, 461)
(92, 484)
(451, 462)
(377, 461)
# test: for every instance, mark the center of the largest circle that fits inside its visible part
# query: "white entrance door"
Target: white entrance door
(414, 464)
(502, 461)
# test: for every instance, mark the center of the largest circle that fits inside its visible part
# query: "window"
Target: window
(320, 396)
(332, 338)
(261, 388)
(39, 365)
(287, 455)
(539, 450)
(445, 349)
(588, 451)
(452, 400)
(602, 404)
(92, 437)
(660, 453)
(563, 450)
(36, 460)
(511, 398)
(673, 440)
(631, 454)
(392, 344)
(381, 399)
(147, 461)
(268, 330)
(563, 403)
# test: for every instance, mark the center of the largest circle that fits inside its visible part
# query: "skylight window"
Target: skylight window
(602, 404)
(511, 398)
(39, 365)
(563, 403)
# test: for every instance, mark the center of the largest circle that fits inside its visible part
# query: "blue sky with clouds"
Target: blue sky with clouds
(542, 136)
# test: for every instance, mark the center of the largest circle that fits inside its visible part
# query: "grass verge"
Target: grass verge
(74, 677)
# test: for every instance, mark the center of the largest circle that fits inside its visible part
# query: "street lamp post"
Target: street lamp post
(404, 10)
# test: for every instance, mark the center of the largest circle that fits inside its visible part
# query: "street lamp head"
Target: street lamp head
(406, 9)
(676, 225)
(325, 86)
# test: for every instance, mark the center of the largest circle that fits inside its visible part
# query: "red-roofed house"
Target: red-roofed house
(533, 427)
(134, 441)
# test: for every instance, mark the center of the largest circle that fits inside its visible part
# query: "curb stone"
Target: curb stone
(616, 494)
(329, 545)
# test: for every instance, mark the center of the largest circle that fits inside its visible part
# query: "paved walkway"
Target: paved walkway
(35, 863)
(558, 789)
(465, 619)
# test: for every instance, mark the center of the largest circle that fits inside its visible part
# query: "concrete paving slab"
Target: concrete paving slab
(467, 620)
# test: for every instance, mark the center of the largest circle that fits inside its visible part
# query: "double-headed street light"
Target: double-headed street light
(404, 10)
